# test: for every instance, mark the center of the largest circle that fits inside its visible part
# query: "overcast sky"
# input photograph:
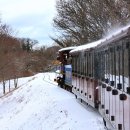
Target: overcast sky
(30, 18)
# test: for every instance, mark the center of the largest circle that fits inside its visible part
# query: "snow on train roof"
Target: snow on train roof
(67, 48)
(113, 35)
(87, 46)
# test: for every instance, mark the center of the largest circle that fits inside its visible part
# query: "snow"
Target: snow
(67, 48)
(39, 104)
(87, 46)
(116, 31)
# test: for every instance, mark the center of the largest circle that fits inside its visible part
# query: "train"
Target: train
(98, 74)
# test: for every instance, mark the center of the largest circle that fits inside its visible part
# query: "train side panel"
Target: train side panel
(68, 75)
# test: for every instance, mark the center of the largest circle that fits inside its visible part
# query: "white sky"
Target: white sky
(30, 18)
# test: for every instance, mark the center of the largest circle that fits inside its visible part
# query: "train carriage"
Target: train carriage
(114, 79)
(85, 86)
(99, 74)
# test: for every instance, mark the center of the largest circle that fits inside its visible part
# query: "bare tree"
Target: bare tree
(87, 20)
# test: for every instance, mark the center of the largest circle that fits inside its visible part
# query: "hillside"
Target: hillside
(38, 104)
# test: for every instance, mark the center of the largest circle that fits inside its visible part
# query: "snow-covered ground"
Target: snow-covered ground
(39, 104)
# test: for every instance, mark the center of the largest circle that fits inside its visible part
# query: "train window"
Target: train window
(121, 76)
(105, 69)
(114, 65)
(89, 65)
(77, 68)
(73, 62)
(100, 69)
(96, 65)
(87, 57)
(119, 67)
(85, 64)
(90, 74)
(126, 68)
(90, 58)
(107, 65)
(92, 64)
(100, 61)
(112, 76)
(78, 64)
(82, 61)
(97, 72)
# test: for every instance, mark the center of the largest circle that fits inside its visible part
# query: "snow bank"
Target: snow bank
(38, 104)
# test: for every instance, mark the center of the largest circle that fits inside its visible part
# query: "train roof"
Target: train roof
(87, 46)
(120, 33)
(67, 49)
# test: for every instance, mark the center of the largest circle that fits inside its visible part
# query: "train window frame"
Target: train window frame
(114, 65)
(74, 62)
(85, 64)
(79, 62)
(106, 65)
(119, 66)
(112, 71)
(78, 65)
(87, 57)
(126, 47)
(102, 65)
(82, 60)
(89, 64)
(93, 64)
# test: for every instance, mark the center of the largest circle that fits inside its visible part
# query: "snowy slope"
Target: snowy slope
(38, 104)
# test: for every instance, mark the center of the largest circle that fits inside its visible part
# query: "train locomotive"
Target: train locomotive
(99, 74)
(65, 80)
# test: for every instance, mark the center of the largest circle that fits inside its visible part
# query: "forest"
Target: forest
(19, 58)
